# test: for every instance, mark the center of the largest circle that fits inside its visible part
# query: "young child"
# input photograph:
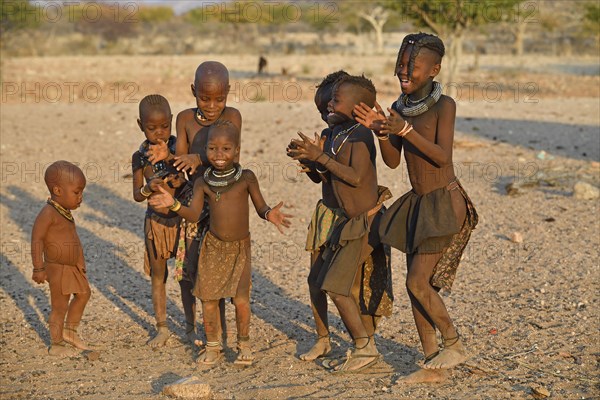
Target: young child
(372, 296)
(57, 257)
(347, 161)
(161, 225)
(224, 265)
(433, 222)
(210, 89)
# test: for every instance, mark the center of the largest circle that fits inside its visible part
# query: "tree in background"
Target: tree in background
(376, 16)
(451, 20)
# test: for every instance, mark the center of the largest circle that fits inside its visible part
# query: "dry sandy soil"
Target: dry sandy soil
(528, 311)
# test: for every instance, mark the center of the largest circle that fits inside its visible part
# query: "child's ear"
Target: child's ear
(57, 190)
(228, 88)
(193, 90)
(140, 124)
(436, 70)
(237, 150)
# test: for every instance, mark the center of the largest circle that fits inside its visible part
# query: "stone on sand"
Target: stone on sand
(190, 387)
(585, 191)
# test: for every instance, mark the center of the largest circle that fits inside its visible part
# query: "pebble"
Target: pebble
(585, 191)
(190, 387)
(516, 237)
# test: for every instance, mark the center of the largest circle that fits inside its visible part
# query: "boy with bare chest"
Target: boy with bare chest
(348, 157)
(57, 257)
(224, 262)
(210, 90)
(433, 222)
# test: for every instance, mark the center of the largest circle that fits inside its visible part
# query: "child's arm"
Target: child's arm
(390, 146)
(141, 191)
(273, 215)
(440, 151)
(162, 198)
(38, 235)
(353, 174)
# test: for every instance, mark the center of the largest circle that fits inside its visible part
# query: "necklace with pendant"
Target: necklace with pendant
(220, 182)
(348, 131)
(61, 210)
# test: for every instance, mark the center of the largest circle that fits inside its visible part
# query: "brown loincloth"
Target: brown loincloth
(427, 224)
(220, 267)
(72, 278)
(163, 233)
(343, 257)
(376, 295)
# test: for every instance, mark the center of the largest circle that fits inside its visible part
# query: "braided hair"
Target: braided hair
(418, 41)
(153, 102)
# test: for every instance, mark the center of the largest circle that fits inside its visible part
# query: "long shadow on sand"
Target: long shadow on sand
(581, 142)
(32, 301)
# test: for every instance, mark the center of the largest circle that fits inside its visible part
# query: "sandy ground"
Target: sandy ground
(528, 311)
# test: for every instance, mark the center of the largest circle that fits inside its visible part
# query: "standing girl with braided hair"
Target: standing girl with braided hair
(433, 222)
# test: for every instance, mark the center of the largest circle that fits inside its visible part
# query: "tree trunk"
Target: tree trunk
(379, 38)
(454, 55)
(519, 38)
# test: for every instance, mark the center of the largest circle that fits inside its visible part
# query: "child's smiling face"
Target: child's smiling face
(221, 150)
(211, 98)
(341, 105)
(425, 69)
(156, 125)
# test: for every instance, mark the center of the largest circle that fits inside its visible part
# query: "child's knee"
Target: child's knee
(416, 287)
(241, 301)
(210, 306)
(85, 296)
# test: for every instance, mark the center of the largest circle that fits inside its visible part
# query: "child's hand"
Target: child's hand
(155, 183)
(306, 149)
(187, 162)
(41, 277)
(368, 117)
(305, 166)
(161, 199)
(158, 152)
(278, 218)
(394, 123)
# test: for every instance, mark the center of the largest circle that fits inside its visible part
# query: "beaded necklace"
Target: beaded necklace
(61, 210)
(222, 182)
(411, 108)
(200, 118)
(349, 132)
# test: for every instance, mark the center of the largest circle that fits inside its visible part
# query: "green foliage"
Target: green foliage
(445, 16)
(19, 14)
(592, 17)
(155, 14)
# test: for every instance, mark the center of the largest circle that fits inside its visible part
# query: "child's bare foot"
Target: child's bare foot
(161, 337)
(321, 348)
(359, 358)
(71, 336)
(452, 355)
(211, 354)
(425, 376)
(62, 350)
(245, 357)
(190, 333)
